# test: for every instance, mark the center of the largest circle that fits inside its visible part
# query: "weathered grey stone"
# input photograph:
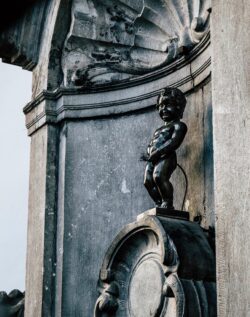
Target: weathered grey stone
(100, 176)
(231, 131)
(40, 264)
(111, 41)
(48, 73)
(142, 272)
(65, 103)
(103, 176)
(196, 157)
(40, 48)
(106, 41)
(86, 175)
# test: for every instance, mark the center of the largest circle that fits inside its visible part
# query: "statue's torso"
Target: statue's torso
(161, 135)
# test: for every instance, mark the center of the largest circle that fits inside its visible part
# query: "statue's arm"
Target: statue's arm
(172, 144)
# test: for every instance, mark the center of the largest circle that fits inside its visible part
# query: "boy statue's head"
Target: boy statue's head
(171, 104)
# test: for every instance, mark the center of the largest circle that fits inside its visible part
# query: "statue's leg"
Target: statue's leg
(150, 184)
(162, 173)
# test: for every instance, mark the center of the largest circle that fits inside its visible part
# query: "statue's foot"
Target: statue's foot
(167, 205)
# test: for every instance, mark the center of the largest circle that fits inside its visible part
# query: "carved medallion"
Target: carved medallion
(143, 276)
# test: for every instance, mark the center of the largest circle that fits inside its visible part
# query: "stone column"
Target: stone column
(231, 135)
(40, 264)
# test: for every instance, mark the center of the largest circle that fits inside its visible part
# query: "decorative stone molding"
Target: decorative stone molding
(107, 44)
(112, 41)
(120, 98)
(122, 43)
(158, 266)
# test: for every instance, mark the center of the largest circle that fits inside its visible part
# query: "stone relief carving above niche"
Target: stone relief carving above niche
(114, 40)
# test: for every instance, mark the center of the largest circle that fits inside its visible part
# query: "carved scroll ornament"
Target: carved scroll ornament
(158, 267)
(110, 41)
(138, 276)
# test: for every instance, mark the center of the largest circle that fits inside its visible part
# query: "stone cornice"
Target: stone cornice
(86, 102)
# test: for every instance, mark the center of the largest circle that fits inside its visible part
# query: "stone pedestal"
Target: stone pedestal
(158, 266)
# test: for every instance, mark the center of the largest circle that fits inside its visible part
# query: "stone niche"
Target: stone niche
(99, 137)
(97, 72)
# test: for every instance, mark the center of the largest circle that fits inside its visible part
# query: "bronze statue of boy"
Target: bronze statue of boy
(166, 140)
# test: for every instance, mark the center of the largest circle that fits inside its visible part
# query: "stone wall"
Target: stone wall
(101, 189)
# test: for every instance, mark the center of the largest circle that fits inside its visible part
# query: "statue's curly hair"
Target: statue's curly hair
(175, 96)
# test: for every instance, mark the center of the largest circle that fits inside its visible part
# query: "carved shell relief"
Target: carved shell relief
(114, 40)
